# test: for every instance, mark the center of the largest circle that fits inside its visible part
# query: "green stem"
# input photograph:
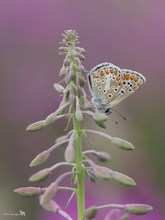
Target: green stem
(79, 170)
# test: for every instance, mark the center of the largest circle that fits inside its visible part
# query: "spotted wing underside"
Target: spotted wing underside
(110, 85)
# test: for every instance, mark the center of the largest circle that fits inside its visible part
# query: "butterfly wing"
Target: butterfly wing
(132, 81)
(105, 80)
(110, 85)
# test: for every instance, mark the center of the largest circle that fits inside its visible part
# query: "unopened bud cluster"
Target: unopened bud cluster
(76, 107)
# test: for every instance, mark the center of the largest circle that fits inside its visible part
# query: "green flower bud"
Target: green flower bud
(51, 206)
(79, 115)
(63, 49)
(39, 176)
(102, 172)
(28, 191)
(80, 49)
(40, 159)
(138, 209)
(49, 193)
(63, 70)
(50, 118)
(58, 88)
(122, 144)
(124, 217)
(35, 126)
(91, 212)
(123, 179)
(100, 119)
(70, 154)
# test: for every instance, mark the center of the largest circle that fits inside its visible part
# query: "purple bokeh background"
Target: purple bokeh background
(127, 33)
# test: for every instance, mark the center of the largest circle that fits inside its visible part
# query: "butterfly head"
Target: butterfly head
(101, 107)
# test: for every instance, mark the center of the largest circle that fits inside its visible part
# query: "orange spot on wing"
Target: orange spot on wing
(112, 70)
(102, 73)
(132, 77)
(126, 76)
(136, 79)
(139, 84)
(117, 78)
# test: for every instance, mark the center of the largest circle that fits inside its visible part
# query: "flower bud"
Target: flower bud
(79, 91)
(81, 67)
(63, 70)
(39, 176)
(80, 49)
(82, 81)
(123, 179)
(70, 154)
(71, 72)
(103, 156)
(66, 60)
(78, 114)
(40, 158)
(63, 49)
(28, 191)
(91, 175)
(100, 119)
(61, 138)
(51, 206)
(112, 215)
(69, 76)
(124, 217)
(50, 118)
(87, 104)
(91, 212)
(122, 143)
(80, 56)
(58, 88)
(138, 209)
(35, 126)
(49, 193)
(102, 172)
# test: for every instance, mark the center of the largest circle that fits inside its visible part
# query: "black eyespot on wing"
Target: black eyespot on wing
(108, 111)
(90, 83)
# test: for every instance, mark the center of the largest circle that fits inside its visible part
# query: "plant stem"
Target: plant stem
(79, 170)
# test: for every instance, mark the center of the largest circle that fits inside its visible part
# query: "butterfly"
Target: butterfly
(109, 85)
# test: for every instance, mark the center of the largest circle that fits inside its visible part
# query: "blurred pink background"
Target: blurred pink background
(128, 33)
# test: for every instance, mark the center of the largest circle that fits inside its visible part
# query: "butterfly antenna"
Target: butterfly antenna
(124, 118)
